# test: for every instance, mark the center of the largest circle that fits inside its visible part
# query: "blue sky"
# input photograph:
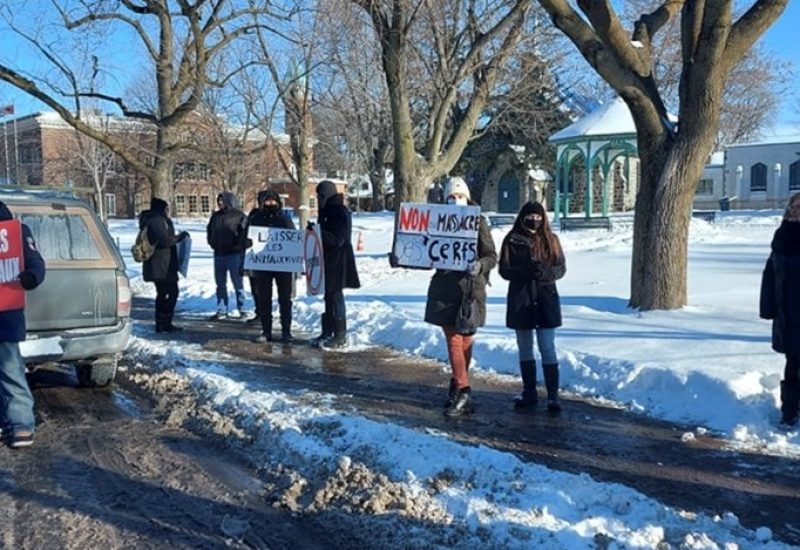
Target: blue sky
(781, 39)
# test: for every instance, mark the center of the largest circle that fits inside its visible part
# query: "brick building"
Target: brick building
(217, 157)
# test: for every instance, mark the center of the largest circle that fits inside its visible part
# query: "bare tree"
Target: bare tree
(458, 50)
(181, 40)
(754, 90)
(713, 42)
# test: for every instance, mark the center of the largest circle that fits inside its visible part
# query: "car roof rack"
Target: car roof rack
(22, 192)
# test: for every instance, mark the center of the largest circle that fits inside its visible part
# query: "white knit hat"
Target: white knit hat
(454, 185)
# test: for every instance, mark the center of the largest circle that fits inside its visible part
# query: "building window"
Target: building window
(111, 204)
(705, 187)
(794, 176)
(30, 154)
(180, 204)
(312, 203)
(205, 204)
(758, 177)
(192, 204)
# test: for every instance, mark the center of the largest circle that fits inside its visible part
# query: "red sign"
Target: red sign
(12, 262)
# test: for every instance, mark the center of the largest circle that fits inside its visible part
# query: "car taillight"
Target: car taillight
(123, 297)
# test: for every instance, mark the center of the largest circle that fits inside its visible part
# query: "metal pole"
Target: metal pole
(16, 152)
(5, 142)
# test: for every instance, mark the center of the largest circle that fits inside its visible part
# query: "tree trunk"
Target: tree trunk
(661, 224)
(161, 182)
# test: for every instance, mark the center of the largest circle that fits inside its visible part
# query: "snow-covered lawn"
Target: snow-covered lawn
(709, 365)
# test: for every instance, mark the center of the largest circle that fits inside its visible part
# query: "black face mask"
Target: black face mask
(272, 208)
(531, 224)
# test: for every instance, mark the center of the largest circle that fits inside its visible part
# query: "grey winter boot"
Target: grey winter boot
(551, 383)
(339, 338)
(529, 399)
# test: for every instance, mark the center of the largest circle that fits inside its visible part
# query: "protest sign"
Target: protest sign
(315, 263)
(441, 236)
(12, 263)
(184, 253)
(275, 249)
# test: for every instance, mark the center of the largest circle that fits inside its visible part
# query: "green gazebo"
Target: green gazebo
(599, 140)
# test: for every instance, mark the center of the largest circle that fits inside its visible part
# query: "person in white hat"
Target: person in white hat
(446, 301)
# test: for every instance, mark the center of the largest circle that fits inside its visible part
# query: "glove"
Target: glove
(183, 235)
(475, 269)
(248, 243)
(28, 280)
(310, 226)
(393, 261)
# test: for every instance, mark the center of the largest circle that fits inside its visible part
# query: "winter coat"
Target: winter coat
(532, 300)
(336, 226)
(226, 231)
(447, 288)
(260, 217)
(780, 289)
(12, 322)
(163, 264)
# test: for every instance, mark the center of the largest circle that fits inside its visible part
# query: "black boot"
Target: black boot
(551, 383)
(528, 400)
(452, 392)
(167, 325)
(327, 331)
(461, 405)
(339, 338)
(266, 329)
(790, 397)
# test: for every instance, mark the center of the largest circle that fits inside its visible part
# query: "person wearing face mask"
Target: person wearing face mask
(445, 296)
(532, 260)
(780, 302)
(336, 227)
(270, 214)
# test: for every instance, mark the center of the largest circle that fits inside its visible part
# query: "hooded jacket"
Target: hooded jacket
(780, 289)
(226, 231)
(336, 227)
(163, 264)
(12, 323)
(262, 217)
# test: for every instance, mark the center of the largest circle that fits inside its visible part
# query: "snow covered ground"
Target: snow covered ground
(709, 365)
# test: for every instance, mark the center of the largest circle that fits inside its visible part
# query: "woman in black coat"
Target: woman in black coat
(531, 259)
(162, 267)
(445, 296)
(780, 301)
(336, 227)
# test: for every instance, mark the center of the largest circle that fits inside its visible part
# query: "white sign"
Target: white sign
(274, 249)
(315, 263)
(441, 236)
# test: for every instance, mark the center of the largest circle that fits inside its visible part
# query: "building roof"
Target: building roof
(612, 118)
(770, 140)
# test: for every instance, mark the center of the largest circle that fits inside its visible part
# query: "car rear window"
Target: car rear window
(62, 236)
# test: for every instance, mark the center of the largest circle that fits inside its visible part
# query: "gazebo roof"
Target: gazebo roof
(611, 119)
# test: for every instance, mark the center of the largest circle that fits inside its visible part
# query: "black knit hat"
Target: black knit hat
(158, 205)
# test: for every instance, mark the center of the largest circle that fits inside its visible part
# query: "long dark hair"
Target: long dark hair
(544, 243)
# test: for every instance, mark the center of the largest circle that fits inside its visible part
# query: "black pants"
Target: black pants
(335, 306)
(263, 297)
(166, 297)
(255, 289)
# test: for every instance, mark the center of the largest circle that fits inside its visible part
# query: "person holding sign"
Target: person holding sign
(17, 399)
(457, 303)
(270, 214)
(780, 302)
(531, 260)
(162, 267)
(336, 227)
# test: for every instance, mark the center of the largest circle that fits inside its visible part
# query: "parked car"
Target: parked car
(80, 314)
(499, 220)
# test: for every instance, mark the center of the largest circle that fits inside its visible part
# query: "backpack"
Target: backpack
(143, 249)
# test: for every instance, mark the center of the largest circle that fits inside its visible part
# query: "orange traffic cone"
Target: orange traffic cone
(360, 243)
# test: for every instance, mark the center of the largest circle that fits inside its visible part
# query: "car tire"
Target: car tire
(97, 374)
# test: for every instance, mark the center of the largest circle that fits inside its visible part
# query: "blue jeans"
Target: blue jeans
(14, 390)
(233, 264)
(546, 340)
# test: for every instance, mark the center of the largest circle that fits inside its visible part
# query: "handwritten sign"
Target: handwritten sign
(275, 249)
(315, 262)
(12, 263)
(442, 236)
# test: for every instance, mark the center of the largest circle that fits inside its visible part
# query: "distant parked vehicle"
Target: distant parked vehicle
(499, 220)
(80, 314)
